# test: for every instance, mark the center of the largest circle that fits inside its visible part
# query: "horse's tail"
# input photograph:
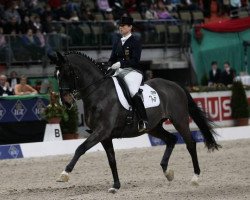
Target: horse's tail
(204, 123)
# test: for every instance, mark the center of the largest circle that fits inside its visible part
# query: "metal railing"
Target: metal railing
(88, 35)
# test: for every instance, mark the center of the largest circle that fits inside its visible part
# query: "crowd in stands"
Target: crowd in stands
(37, 27)
(36, 18)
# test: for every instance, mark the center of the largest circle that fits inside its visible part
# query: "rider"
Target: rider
(125, 57)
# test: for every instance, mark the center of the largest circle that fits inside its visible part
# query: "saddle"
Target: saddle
(148, 94)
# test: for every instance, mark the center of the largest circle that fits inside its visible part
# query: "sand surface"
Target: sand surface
(225, 174)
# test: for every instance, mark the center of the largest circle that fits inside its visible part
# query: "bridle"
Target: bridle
(75, 92)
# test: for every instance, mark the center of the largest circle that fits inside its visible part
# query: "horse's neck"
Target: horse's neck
(94, 96)
(89, 74)
(89, 78)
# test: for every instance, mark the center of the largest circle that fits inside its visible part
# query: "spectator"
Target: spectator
(23, 88)
(12, 12)
(74, 17)
(36, 22)
(63, 13)
(42, 41)
(174, 5)
(227, 75)
(48, 26)
(11, 26)
(13, 79)
(47, 12)
(102, 5)
(142, 7)
(118, 9)
(162, 11)
(110, 28)
(86, 14)
(234, 7)
(5, 88)
(190, 5)
(17, 46)
(214, 74)
(151, 12)
(6, 53)
(33, 45)
(26, 24)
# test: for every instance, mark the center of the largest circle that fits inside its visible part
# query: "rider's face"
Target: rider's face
(125, 29)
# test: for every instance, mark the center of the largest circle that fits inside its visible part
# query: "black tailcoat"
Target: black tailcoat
(215, 78)
(128, 54)
(227, 78)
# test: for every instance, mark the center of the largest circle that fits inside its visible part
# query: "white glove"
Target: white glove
(116, 65)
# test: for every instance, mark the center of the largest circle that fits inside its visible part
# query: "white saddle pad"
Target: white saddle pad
(150, 96)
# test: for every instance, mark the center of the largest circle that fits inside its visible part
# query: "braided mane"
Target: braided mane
(86, 57)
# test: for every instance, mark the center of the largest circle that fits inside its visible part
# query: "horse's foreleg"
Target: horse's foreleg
(91, 141)
(108, 146)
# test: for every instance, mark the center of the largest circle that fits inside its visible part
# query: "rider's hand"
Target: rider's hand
(116, 65)
(110, 72)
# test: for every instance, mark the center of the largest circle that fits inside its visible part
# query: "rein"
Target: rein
(94, 83)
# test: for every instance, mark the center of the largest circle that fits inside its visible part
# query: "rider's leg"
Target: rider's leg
(142, 115)
(133, 80)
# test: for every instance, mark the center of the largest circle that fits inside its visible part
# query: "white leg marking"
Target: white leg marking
(194, 180)
(169, 174)
(64, 177)
(113, 190)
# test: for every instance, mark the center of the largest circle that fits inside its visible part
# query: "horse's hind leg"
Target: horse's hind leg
(108, 146)
(170, 141)
(183, 129)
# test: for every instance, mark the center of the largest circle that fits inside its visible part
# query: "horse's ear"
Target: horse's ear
(60, 57)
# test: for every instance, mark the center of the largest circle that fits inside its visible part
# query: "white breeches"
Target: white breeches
(133, 80)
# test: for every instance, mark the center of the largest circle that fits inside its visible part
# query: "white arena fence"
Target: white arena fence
(63, 147)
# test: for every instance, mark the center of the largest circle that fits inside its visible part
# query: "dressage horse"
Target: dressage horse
(105, 116)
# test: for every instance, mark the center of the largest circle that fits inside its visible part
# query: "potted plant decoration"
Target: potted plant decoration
(69, 126)
(54, 112)
(239, 104)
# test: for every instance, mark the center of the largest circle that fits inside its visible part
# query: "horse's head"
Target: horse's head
(67, 78)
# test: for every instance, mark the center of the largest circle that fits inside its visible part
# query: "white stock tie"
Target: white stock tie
(123, 40)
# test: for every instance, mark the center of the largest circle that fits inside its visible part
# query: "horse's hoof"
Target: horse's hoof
(64, 177)
(113, 190)
(169, 174)
(194, 180)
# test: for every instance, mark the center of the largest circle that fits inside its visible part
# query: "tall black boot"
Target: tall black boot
(141, 112)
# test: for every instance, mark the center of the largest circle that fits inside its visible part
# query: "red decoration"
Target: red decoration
(229, 25)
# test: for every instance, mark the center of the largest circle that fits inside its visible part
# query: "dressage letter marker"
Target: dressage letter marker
(52, 133)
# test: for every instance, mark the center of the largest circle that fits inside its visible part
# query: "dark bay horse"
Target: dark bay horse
(106, 117)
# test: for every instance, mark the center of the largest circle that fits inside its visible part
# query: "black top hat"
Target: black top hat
(126, 21)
